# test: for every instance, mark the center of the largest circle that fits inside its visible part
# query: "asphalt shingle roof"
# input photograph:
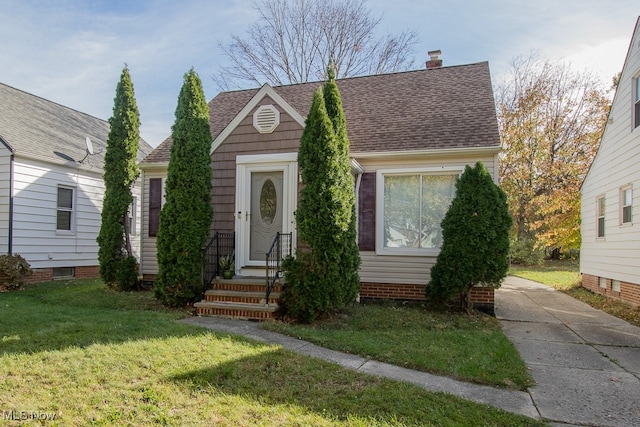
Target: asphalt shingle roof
(41, 129)
(439, 108)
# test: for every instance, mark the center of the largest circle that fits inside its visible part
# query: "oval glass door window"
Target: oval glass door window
(268, 202)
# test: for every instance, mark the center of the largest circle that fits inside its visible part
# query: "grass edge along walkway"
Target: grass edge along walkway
(514, 401)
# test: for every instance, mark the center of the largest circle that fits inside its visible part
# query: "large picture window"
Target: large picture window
(414, 205)
(65, 209)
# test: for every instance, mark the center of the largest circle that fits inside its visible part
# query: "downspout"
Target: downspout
(10, 236)
(358, 171)
(11, 167)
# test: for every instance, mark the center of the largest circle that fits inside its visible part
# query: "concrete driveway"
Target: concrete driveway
(586, 363)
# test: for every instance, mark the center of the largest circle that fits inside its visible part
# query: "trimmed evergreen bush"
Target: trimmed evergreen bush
(120, 173)
(475, 246)
(324, 275)
(186, 215)
(14, 270)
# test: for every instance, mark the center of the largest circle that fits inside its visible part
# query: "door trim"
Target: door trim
(245, 165)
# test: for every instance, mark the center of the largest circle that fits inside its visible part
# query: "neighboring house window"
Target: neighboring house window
(600, 209)
(626, 201)
(636, 105)
(65, 209)
(132, 216)
(603, 282)
(413, 206)
(155, 204)
(615, 285)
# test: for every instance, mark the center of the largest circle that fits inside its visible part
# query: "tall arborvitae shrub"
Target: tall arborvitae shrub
(118, 266)
(186, 215)
(475, 246)
(350, 259)
(324, 275)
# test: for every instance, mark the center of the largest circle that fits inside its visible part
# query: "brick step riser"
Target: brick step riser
(245, 287)
(233, 313)
(234, 298)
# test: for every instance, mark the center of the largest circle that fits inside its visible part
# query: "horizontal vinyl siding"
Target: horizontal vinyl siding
(412, 270)
(5, 182)
(404, 269)
(148, 260)
(617, 164)
(35, 205)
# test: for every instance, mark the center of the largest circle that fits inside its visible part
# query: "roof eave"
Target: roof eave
(439, 152)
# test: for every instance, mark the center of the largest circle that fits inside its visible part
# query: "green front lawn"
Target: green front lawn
(466, 347)
(86, 355)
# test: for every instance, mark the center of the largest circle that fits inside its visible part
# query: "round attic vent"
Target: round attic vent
(266, 118)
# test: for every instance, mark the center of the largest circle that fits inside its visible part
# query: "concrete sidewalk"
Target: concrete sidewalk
(586, 363)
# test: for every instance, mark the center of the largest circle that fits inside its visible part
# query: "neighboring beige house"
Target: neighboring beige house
(411, 134)
(610, 252)
(51, 187)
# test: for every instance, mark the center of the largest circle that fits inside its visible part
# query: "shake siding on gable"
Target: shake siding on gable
(245, 140)
(5, 182)
(617, 164)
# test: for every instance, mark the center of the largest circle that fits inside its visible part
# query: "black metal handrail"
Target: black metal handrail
(221, 244)
(280, 247)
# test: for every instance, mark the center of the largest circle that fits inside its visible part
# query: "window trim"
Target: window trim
(72, 210)
(601, 215)
(635, 108)
(380, 176)
(132, 213)
(623, 189)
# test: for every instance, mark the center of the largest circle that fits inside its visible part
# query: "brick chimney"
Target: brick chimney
(434, 59)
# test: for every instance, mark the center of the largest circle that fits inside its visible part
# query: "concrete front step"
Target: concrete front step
(224, 295)
(245, 284)
(235, 310)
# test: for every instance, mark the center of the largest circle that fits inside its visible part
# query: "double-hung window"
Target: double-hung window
(626, 202)
(410, 209)
(600, 211)
(64, 216)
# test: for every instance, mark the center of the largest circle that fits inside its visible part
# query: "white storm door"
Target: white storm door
(266, 189)
(265, 214)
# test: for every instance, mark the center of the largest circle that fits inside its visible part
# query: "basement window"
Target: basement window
(63, 273)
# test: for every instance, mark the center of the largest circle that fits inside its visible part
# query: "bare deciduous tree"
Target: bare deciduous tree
(293, 41)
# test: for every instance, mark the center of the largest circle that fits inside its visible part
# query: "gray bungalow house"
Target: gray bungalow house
(411, 135)
(51, 188)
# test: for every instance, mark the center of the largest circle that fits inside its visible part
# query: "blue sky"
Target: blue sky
(72, 51)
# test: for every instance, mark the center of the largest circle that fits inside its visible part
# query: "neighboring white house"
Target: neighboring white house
(51, 186)
(610, 253)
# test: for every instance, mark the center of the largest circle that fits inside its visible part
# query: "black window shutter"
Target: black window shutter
(367, 213)
(155, 204)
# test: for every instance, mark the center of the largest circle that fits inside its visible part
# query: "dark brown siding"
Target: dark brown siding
(155, 204)
(246, 140)
(367, 213)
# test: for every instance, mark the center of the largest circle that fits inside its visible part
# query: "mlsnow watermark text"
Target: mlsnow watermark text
(14, 415)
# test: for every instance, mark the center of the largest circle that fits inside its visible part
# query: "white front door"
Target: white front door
(265, 218)
(266, 196)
